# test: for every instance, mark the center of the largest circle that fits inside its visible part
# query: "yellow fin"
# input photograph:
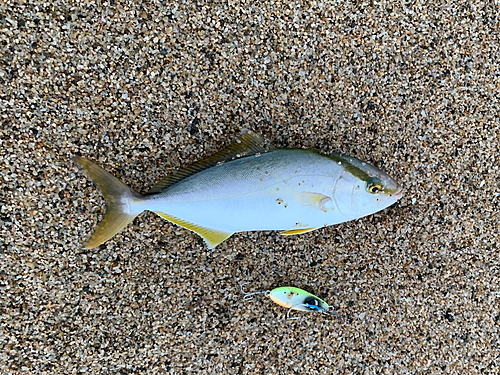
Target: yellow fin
(118, 196)
(212, 237)
(297, 231)
(316, 200)
(248, 143)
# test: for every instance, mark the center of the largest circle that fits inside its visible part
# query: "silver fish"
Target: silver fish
(248, 187)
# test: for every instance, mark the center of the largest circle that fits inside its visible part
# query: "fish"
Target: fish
(250, 186)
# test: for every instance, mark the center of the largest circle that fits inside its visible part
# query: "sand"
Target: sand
(146, 89)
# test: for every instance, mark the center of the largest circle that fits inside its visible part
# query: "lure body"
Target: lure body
(293, 299)
(292, 190)
(297, 299)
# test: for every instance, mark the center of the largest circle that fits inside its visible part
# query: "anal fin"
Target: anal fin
(297, 231)
(212, 237)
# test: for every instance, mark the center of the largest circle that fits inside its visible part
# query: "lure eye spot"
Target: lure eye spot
(312, 300)
(312, 303)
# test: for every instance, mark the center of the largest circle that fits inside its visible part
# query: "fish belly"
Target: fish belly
(256, 193)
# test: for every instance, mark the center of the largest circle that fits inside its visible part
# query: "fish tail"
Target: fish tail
(122, 203)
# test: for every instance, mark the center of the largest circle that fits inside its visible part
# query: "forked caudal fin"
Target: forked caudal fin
(119, 197)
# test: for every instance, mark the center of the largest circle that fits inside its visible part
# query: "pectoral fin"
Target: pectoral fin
(297, 231)
(316, 200)
(212, 237)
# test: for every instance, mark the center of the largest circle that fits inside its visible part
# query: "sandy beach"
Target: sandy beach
(143, 89)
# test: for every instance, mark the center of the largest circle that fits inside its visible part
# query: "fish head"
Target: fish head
(362, 189)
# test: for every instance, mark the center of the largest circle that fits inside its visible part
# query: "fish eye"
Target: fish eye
(374, 186)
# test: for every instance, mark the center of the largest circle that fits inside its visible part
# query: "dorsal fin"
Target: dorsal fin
(248, 143)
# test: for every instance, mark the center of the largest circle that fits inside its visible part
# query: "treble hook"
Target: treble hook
(248, 296)
(293, 307)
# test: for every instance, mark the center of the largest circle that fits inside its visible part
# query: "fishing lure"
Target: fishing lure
(293, 299)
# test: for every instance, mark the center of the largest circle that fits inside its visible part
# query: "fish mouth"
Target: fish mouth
(399, 193)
